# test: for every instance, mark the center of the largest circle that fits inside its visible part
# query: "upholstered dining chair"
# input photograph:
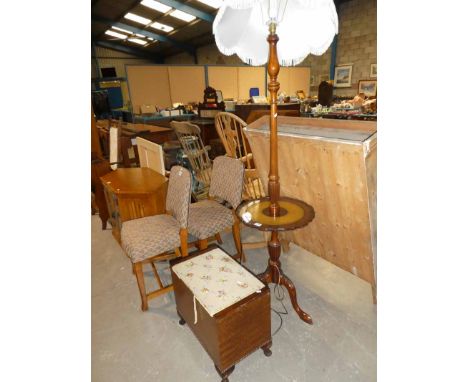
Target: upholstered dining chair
(207, 218)
(156, 238)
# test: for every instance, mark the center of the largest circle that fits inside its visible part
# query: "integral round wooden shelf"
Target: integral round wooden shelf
(293, 214)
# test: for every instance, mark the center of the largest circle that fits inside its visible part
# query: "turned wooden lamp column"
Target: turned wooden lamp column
(273, 87)
(275, 213)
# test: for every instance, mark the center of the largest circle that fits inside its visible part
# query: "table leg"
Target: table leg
(274, 274)
(224, 375)
(266, 349)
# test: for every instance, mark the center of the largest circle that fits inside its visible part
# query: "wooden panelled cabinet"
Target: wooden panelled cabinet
(133, 193)
(332, 166)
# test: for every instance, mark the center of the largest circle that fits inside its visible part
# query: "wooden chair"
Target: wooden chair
(189, 136)
(208, 218)
(156, 238)
(151, 155)
(230, 129)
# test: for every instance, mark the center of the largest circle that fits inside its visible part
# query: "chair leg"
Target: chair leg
(202, 244)
(141, 285)
(218, 238)
(184, 242)
(156, 275)
(237, 240)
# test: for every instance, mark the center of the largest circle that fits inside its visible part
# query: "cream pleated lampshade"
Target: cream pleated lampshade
(303, 27)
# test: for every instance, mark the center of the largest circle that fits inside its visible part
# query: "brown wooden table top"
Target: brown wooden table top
(294, 214)
(133, 180)
(141, 128)
(134, 127)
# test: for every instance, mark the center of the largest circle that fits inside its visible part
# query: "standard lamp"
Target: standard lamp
(305, 26)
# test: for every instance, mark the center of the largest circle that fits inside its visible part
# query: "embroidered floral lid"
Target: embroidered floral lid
(216, 280)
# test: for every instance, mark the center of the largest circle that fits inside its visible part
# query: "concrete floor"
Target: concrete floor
(131, 345)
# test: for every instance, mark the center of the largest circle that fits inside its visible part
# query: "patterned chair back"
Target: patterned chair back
(178, 194)
(227, 180)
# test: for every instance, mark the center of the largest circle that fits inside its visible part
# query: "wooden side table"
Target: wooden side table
(133, 193)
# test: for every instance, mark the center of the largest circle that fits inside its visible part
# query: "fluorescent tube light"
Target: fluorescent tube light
(137, 41)
(162, 27)
(122, 30)
(137, 19)
(182, 15)
(156, 5)
(212, 3)
(115, 34)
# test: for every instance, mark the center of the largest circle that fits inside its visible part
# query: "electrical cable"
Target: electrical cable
(279, 294)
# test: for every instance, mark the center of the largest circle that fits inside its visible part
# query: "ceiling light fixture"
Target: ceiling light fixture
(137, 19)
(137, 41)
(212, 3)
(182, 15)
(122, 30)
(156, 5)
(115, 34)
(162, 27)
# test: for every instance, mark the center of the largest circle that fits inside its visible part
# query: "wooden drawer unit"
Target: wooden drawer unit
(227, 333)
(133, 193)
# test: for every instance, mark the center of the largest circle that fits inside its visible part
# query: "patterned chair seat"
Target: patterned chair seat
(146, 237)
(207, 218)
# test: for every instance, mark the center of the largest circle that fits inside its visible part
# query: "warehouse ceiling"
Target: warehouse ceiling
(154, 29)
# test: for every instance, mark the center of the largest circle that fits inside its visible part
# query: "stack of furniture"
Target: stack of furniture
(211, 104)
(99, 167)
(197, 153)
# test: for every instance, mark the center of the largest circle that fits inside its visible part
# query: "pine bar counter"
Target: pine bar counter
(331, 165)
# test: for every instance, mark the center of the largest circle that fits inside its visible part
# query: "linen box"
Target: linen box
(225, 306)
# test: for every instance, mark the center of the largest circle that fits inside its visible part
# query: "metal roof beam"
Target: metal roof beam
(185, 47)
(130, 50)
(188, 9)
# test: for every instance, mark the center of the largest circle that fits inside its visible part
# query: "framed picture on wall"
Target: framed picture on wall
(343, 76)
(368, 87)
(373, 71)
